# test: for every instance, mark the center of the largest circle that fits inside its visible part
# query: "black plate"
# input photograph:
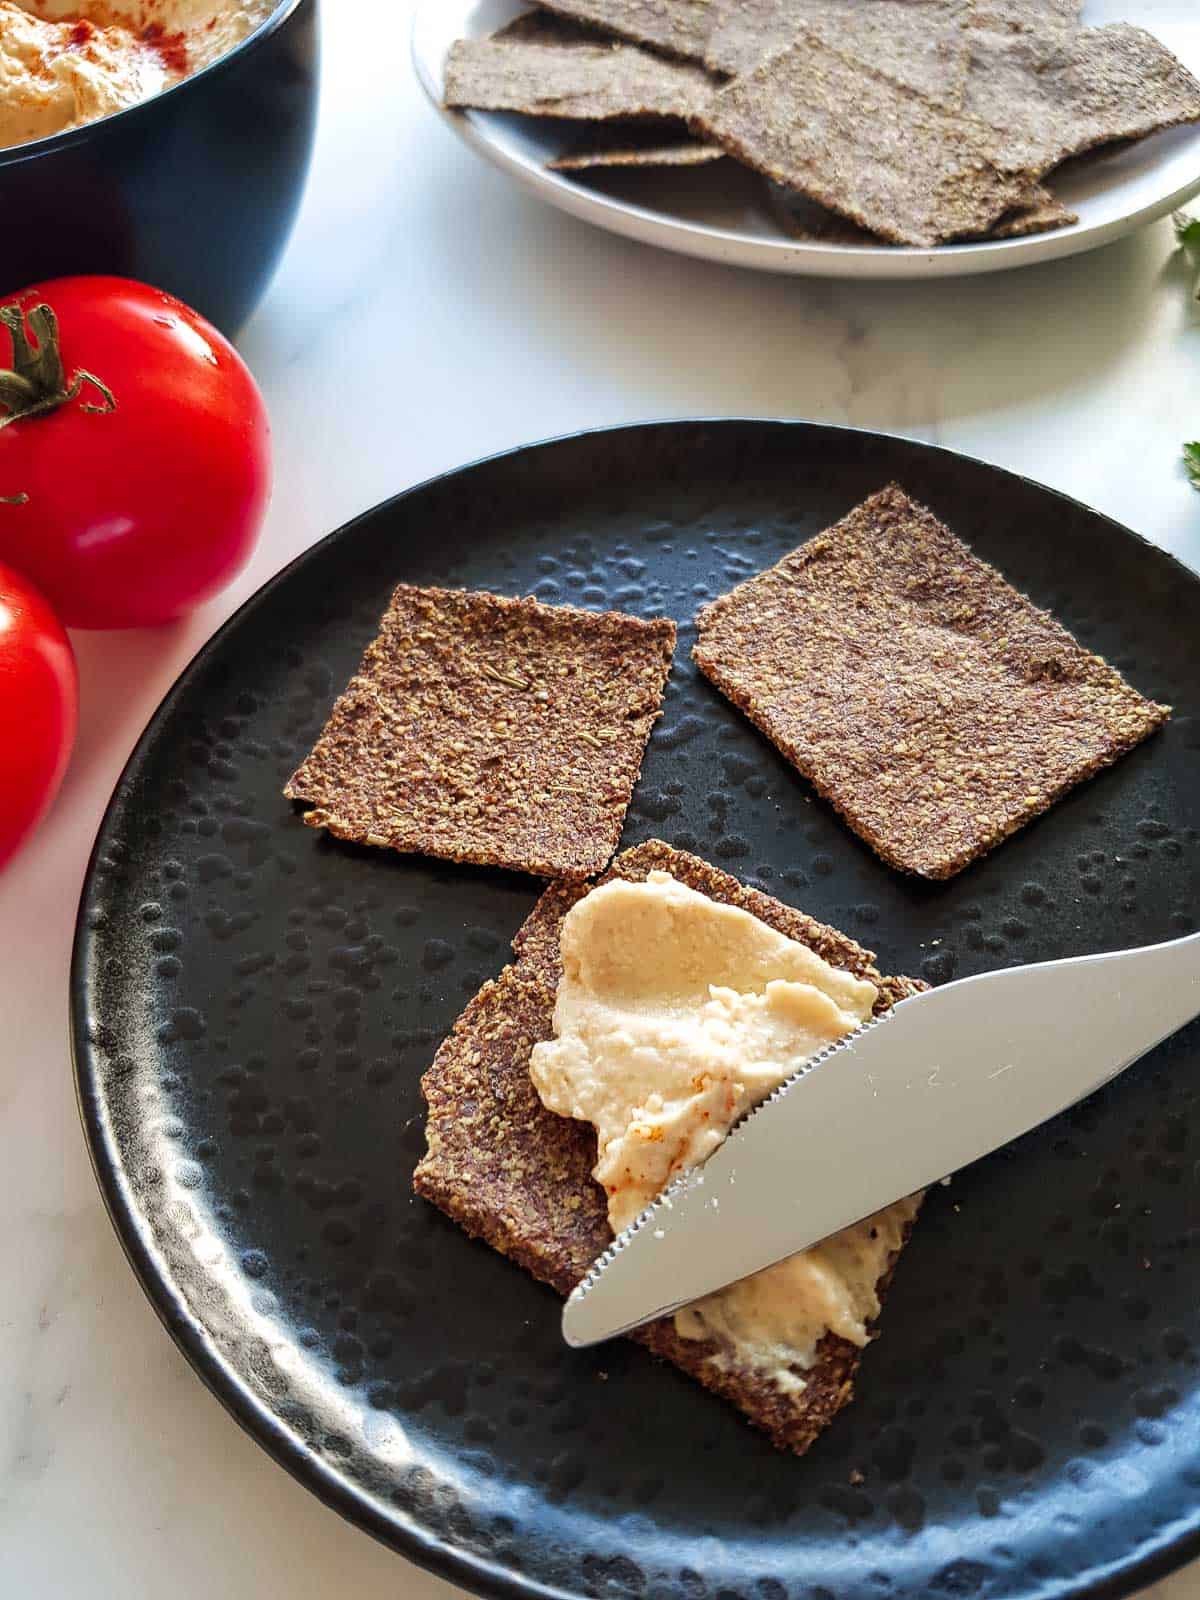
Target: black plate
(253, 1006)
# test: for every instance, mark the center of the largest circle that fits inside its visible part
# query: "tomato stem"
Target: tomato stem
(37, 380)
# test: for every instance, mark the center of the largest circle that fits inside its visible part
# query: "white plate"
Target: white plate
(722, 212)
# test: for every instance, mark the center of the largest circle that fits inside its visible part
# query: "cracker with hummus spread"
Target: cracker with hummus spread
(513, 1173)
(497, 731)
(936, 707)
(887, 158)
(543, 68)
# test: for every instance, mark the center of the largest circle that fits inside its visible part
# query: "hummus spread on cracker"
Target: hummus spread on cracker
(675, 1015)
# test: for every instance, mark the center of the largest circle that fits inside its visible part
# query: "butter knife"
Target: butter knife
(942, 1079)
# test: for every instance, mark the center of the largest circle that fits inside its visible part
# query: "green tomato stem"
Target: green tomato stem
(37, 381)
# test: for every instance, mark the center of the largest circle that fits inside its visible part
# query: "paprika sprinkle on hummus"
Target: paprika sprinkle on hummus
(63, 65)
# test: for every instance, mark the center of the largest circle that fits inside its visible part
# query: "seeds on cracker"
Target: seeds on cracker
(918, 43)
(679, 27)
(543, 74)
(1041, 19)
(936, 707)
(484, 729)
(887, 158)
(1094, 86)
(512, 1173)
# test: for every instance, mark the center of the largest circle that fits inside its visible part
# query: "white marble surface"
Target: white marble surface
(426, 314)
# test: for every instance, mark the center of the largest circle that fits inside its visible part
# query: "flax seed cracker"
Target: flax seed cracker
(936, 707)
(679, 27)
(918, 43)
(1054, 98)
(512, 1173)
(889, 159)
(503, 732)
(543, 69)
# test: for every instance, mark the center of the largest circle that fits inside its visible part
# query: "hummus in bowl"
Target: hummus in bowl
(64, 63)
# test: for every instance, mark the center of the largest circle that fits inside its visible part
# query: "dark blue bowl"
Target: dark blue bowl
(194, 191)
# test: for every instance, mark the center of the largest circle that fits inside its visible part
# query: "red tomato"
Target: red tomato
(142, 493)
(39, 704)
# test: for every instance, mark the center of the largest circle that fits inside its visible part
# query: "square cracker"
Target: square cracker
(678, 26)
(546, 69)
(918, 43)
(516, 1175)
(933, 705)
(503, 732)
(882, 155)
(1054, 96)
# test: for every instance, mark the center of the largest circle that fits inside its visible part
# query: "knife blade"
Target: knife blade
(942, 1079)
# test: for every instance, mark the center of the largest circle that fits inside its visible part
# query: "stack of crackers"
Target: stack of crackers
(936, 707)
(904, 122)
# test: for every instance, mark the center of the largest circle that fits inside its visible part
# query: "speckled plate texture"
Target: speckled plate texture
(254, 1003)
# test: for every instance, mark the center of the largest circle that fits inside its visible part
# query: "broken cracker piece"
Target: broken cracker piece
(502, 732)
(511, 1172)
(917, 43)
(883, 156)
(1046, 214)
(936, 707)
(543, 72)
(1049, 101)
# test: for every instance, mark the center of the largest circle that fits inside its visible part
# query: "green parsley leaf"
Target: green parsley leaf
(1191, 458)
(1187, 233)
